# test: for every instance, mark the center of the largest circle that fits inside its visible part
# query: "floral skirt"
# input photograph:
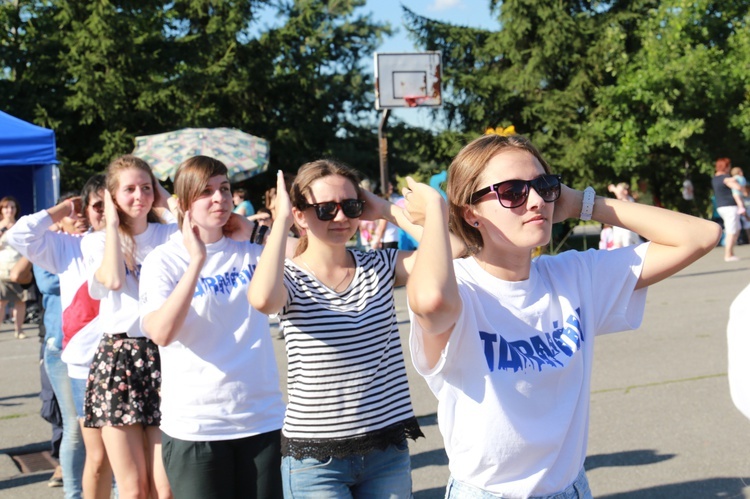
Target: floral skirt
(123, 384)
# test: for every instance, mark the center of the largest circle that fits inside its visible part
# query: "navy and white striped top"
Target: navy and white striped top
(346, 374)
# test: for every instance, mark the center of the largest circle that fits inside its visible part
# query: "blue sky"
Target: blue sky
(462, 12)
(475, 13)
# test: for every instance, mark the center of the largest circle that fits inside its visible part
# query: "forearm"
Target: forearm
(111, 272)
(677, 240)
(164, 324)
(432, 289)
(267, 292)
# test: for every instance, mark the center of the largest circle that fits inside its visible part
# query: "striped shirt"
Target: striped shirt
(346, 374)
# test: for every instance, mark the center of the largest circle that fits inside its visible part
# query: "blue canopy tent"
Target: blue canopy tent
(28, 164)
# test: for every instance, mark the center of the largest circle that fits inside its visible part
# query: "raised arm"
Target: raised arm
(111, 272)
(163, 325)
(677, 240)
(432, 289)
(267, 292)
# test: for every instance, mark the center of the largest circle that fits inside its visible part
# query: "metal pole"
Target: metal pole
(383, 150)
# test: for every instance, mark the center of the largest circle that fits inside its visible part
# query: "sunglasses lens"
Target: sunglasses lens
(548, 187)
(352, 208)
(98, 206)
(326, 211)
(512, 193)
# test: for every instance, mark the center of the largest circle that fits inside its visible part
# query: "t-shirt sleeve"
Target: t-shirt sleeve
(738, 343)
(617, 305)
(417, 333)
(31, 237)
(156, 284)
(92, 248)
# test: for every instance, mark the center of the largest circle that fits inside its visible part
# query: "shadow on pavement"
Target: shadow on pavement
(18, 481)
(713, 487)
(28, 448)
(436, 457)
(3, 400)
(628, 458)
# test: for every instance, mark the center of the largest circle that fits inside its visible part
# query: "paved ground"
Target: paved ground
(662, 422)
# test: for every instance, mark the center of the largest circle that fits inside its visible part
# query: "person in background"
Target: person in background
(742, 198)
(242, 206)
(386, 233)
(122, 393)
(622, 237)
(729, 208)
(52, 240)
(366, 227)
(11, 292)
(606, 239)
(504, 341)
(349, 396)
(221, 405)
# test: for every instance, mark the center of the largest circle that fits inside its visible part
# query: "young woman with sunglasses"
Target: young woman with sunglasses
(349, 411)
(505, 341)
(221, 404)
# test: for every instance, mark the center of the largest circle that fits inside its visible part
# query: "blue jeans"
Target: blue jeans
(378, 474)
(79, 395)
(72, 450)
(579, 489)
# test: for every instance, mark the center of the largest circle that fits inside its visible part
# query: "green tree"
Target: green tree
(621, 90)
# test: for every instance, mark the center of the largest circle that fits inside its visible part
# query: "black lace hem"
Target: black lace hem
(321, 449)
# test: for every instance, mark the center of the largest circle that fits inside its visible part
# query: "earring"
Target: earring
(476, 224)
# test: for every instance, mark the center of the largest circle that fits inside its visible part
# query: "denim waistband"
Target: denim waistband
(579, 489)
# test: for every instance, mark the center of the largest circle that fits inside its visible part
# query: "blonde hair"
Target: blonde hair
(309, 173)
(465, 174)
(192, 177)
(118, 165)
(736, 170)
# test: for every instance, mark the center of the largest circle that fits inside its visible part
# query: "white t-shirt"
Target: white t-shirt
(738, 343)
(219, 376)
(60, 254)
(513, 382)
(118, 310)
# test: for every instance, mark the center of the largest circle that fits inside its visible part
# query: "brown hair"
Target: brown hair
(464, 176)
(309, 173)
(192, 177)
(723, 165)
(117, 165)
(5, 201)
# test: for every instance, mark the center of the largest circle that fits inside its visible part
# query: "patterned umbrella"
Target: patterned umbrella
(245, 155)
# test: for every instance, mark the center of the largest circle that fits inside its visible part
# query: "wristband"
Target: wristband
(587, 206)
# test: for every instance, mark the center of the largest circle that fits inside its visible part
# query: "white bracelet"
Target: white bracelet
(587, 207)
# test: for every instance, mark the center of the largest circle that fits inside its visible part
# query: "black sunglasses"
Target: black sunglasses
(352, 208)
(98, 206)
(514, 193)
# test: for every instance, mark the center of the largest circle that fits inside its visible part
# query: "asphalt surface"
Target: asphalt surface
(662, 422)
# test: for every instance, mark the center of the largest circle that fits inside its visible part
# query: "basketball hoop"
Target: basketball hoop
(415, 100)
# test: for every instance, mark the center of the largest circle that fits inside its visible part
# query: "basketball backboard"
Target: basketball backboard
(408, 79)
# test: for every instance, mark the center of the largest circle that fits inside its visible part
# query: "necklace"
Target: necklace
(336, 287)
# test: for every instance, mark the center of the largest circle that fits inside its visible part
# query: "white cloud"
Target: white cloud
(438, 5)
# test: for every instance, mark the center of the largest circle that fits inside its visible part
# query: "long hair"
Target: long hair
(309, 173)
(464, 176)
(192, 178)
(118, 165)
